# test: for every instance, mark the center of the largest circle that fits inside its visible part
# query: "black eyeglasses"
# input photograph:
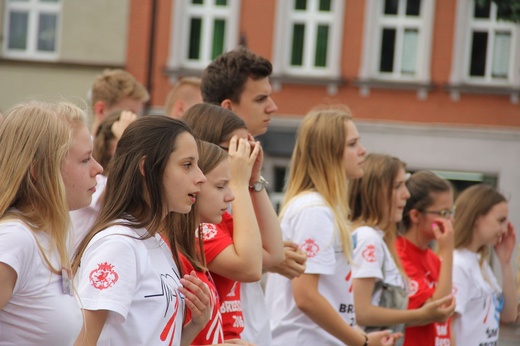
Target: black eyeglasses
(445, 213)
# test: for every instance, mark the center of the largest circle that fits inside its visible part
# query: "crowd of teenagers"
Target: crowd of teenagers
(133, 229)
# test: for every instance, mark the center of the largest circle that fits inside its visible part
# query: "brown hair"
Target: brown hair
(113, 85)
(102, 138)
(212, 123)
(422, 185)
(226, 76)
(473, 202)
(139, 200)
(371, 197)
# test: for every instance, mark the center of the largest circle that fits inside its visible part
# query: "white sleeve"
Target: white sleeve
(17, 250)
(368, 254)
(108, 276)
(313, 231)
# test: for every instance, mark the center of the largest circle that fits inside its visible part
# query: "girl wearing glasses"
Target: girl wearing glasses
(377, 201)
(427, 217)
(482, 221)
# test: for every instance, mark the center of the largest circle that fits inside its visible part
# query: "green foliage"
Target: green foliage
(508, 10)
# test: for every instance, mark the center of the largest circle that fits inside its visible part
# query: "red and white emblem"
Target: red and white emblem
(310, 248)
(413, 287)
(209, 231)
(369, 254)
(103, 277)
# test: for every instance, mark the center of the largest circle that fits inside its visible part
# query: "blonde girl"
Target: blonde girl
(317, 308)
(481, 222)
(47, 170)
(377, 201)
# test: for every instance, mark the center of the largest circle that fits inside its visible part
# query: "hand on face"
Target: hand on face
(506, 245)
(443, 232)
(257, 166)
(241, 159)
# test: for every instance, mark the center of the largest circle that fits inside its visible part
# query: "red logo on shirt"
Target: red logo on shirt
(310, 248)
(209, 231)
(369, 254)
(103, 277)
(413, 287)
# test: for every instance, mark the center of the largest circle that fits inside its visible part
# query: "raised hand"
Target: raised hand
(506, 245)
(443, 232)
(119, 126)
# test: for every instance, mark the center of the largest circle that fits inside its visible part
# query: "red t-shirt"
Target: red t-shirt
(217, 238)
(422, 268)
(212, 333)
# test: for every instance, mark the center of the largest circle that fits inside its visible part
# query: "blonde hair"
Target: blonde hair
(182, 90)
(371, 197)
(113, 85)
(35, 138)
(317, 165)
(473, 202)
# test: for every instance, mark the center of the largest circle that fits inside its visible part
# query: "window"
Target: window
(397, 45)
(490, 54)
(202, 30)
(397, 40)
(31, 29)
(486, 53)
(310, 34)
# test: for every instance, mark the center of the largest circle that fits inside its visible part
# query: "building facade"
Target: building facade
(53, 49)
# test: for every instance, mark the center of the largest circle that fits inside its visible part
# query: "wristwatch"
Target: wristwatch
(259, 185)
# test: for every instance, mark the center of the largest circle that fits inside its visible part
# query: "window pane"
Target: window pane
(300, 5)
(387, 51)
(478, 54)
(297, 44)
(413, 7)
(482, 9)
(409, 53)
(325, 5)
(391, 6)
(195, 32)
(504, 11)
(197, 2)
(18, 30)
(320, 60)
(47, 32)
(501, 52)
(221, 2)
(219, 31)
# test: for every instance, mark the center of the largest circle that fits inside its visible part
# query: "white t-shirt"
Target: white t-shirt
(372, 259)
(137, 281)
(256, 317)
(478, 301)
(39, 312)
(83, 219)
(309, 222)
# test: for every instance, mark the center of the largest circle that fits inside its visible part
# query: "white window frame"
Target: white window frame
(183, 11)
(375, 20)
(465, 24)
(286, 16)
(34, 8)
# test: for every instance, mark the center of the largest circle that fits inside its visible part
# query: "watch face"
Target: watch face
(258, 186)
